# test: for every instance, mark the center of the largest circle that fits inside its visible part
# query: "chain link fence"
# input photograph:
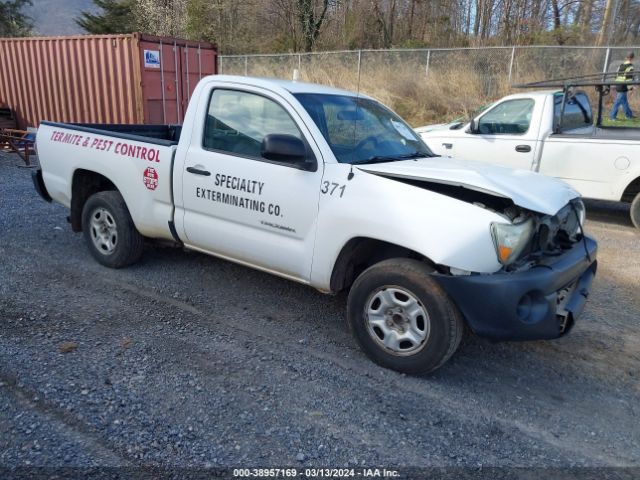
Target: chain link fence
(426, 85)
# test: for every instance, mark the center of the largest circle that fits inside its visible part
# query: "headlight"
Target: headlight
(574, 219)
(581, 211)
(510, 240)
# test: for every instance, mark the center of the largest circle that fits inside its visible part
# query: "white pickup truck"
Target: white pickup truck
(332, 189)
(546, 132)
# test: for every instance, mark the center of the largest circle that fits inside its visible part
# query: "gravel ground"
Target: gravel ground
(185, 360)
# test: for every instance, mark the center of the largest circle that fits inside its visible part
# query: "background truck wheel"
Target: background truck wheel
(402, 319)
(635, 211)
(109, 231)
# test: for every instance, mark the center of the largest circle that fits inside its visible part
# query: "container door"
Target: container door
(161, 83)
(196, 64)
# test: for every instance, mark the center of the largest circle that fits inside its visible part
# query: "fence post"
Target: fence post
(426, 68)
(513, 54)
(246, 65)
(359, 67)
(605, 67)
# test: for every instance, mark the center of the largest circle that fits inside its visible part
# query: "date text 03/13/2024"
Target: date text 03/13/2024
(315, 473)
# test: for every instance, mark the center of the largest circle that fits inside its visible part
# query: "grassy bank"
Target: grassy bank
(455, 84)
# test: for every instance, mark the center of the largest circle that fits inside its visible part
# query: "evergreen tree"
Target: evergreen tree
(13, 22)
(116, 17)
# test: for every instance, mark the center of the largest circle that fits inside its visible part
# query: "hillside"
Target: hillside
(57, 17)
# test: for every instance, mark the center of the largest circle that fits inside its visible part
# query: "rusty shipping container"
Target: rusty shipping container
(127, 79)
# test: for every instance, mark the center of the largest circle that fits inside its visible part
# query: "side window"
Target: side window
(577, 112)
(237, 122)
(512, 117)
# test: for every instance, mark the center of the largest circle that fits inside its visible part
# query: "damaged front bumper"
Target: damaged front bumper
(540, 303)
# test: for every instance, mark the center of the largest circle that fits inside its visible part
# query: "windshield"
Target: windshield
(360, 130)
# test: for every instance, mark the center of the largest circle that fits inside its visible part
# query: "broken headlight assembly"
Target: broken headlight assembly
(575, 220)
(510, 240)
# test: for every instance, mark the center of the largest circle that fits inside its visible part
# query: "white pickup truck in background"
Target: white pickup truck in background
(529, 131)
(332, 189)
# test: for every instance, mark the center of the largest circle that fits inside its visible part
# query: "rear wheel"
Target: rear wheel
(109, 232)
(635, 211)
(402, 319)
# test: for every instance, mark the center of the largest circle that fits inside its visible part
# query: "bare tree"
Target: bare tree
(605, 28)
(305, 25)
(162, 17)
(311, 21)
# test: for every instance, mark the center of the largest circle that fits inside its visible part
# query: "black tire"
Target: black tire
(126, 241)
(635, 211)
(445, 324)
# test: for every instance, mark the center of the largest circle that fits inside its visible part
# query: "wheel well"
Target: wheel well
(85, 183)
(360, 253)
(631, 191)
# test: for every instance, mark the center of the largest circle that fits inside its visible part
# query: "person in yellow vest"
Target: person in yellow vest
(625, 74)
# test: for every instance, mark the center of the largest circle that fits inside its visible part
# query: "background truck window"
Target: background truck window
(237, 122)
(512, 117)
(577, 111)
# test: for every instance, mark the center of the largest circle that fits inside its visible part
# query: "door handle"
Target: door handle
(448, 146)
(197, 171)
(523, 148)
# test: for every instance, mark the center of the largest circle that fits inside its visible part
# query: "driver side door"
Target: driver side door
(504, 135)
(240, 205)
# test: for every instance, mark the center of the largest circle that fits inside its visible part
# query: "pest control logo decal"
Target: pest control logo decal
(150, 178)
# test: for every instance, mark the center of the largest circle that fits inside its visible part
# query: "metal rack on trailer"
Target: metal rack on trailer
(21, 142)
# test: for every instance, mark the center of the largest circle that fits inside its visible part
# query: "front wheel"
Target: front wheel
(635, 211)
(402, 319)
(109, 231)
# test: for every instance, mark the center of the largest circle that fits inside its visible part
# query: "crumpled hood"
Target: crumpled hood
(529, 190)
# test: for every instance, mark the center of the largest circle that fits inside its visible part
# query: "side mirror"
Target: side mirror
(284, 148)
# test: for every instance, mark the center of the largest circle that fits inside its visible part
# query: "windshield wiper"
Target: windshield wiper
(416, 154)
(376, 159)
(392, 158)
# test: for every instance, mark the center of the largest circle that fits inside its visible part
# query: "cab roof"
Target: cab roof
(292, 87)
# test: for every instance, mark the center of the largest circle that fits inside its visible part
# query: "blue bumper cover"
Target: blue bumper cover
(540, 303)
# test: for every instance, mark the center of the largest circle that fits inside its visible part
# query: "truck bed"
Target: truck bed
(603, 133)
(138, 158)
(166, 135)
